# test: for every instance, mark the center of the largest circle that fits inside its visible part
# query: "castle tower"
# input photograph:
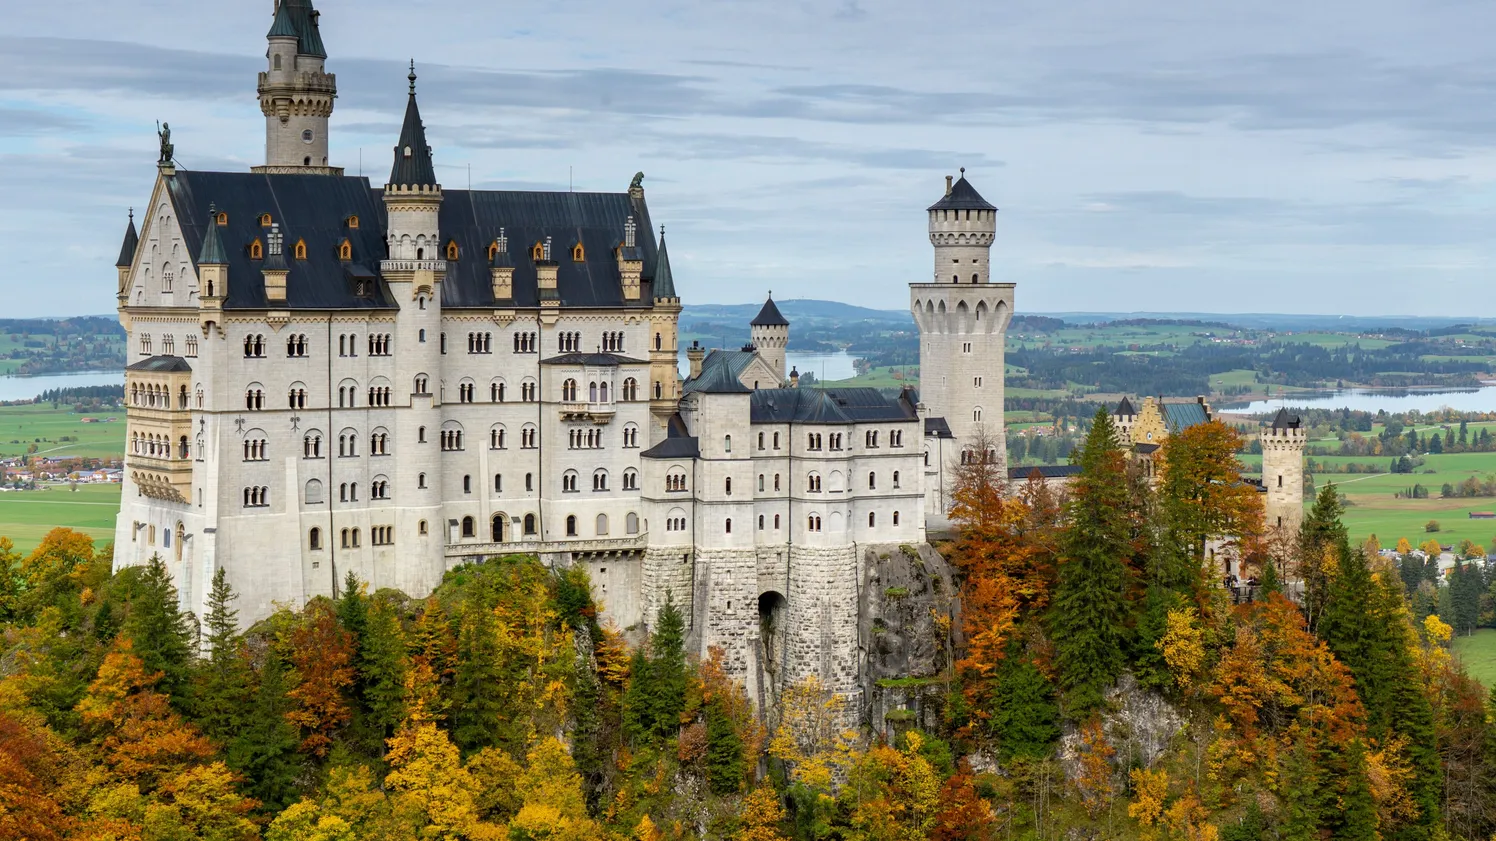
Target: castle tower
(664, 352)
(1124, 418)
(414, 272)
(771, 333)
(963, 319)
(296, 95)
(1283, 472)
(126, 260)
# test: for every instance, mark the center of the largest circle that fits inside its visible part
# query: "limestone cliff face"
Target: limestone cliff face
(909, 623)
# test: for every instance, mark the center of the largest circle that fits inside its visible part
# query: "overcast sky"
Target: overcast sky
(1328, 156)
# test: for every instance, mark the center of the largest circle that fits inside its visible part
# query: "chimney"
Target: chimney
(695, 353)
(948, 185)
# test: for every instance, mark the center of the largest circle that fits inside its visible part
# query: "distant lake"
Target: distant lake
(1375, 399)
(836, 366)
(27, 388)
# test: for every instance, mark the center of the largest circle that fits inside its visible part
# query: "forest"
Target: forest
(1101, 683)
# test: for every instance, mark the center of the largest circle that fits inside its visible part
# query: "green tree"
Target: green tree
(1025, 717)
(158, 630)
(1321, 535)
(383, 667)
(221, 681)
(1089, 610)
(667, 671)
(1357, 816)
(725, 763)
(477, 685)
(264, 750)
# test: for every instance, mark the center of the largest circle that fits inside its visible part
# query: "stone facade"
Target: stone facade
(1283, 472)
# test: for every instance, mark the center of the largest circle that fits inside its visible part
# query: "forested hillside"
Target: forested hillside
(1101, 683)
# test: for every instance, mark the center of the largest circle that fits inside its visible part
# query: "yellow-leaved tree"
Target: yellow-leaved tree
(550, 793)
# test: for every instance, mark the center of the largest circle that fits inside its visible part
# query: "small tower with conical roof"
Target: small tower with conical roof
(664, 352)
(127, 258)
(296, 94)
(771, 334)
(963, 319)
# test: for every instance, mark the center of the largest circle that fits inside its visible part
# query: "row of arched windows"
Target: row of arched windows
(480, 343)
(256, 449)
(256, 497)
(158, 446)
(254, 347)
(296, 345)
(148, 396)
(585, 439)
(613, 342)
(568, 342)
(525, 343)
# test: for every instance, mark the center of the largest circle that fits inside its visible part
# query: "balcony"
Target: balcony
(598, 413)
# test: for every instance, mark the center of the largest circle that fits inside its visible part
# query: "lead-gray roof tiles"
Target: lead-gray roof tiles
(769, 316)
(828, 406)
(315, 208)
(127, 248)
(608, 360)
(962, 196)
(1184, 415)
(297, 19)
(718, 379)
(161, 365)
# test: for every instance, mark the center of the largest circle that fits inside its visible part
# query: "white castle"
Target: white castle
(327, 376)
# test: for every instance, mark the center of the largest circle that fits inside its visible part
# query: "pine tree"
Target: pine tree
(264, 750)
(1025, 718)
(1269, 584)
(159, 631)
(667, 671)
(637, 721)
(221, 682)
(725, 764)
(1089, 609)
(1303, 795)
(1357, 816)
(353, 611)
(1321, 533)
(477, 685)
(383, 667)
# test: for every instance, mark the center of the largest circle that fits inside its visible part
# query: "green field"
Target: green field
(1478, 654)
(26, 516)
(22, 426)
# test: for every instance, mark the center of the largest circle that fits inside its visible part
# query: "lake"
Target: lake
(826, 366)
(27, 388)
(1375, 399)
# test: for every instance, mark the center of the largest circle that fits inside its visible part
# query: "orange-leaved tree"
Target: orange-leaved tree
(321, 655)
(1202, 498)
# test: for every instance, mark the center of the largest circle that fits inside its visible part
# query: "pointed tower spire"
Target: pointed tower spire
(296, 92)
(664, 283)
(127, 249)
(212, 253)
(413, 167)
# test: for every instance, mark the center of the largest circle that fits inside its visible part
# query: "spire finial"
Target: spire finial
(662, 231)
(963, 172)
(132, 214)
(212, 208)
(412, 77)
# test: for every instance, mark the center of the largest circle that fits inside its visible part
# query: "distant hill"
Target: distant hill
(797, 310)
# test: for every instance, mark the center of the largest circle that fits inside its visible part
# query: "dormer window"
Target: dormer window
(453, 252)
(345, 251)
(578, 255)
(493, 250)
(265, 220)
(407, 151)
(538, 252)
(256, 250)
(300, 249)
(353, 222)
(223, 220)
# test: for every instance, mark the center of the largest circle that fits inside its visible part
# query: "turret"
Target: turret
(1283, 443)
(127, 257)
(1123, 419)
(963, 226)
(664, 372)
(771, 335)
(630, 261)
(296, 95)
(412, 196)
(274, 267)
(212, 266)
(501, 269)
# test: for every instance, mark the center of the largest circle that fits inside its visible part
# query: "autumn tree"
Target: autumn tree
(477, 682)
(1203, 498)
(657, 683)
(321, 657)
(762, 817)
(1088, 617)
(550, 793)
(430, 790)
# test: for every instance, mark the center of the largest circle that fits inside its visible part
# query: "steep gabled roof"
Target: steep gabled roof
(161, 365)
(962, 196)
(1179, 416)
(1124, 409)
(413, 167)
(1284, 420)
(212, 253)
(678, 443)
(297, 19)
(769, 316)
(127, 249)
(718, 379)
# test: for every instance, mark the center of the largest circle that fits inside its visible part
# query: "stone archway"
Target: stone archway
(772, 617)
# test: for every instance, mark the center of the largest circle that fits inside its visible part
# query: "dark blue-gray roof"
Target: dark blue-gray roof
(664, 281)
(678, 443)
(161, 365)
(413, 166)
(297, 19)
(769, 316)
(1124, 408)
(1284, 420)
(127, 248)
(829, 406)
(610, 360)
(1184, 415)
(1045, 471)
(718, 379)
(316, 209)
(962, 196)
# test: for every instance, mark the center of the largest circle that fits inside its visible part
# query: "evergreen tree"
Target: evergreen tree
(264, 750)
(383, 667)
(1357, 816)
(159, 631)
(667, 671)
(353, 610)
(1148, 663)
(1321, 534)
(1025, 718)
(1089, 610)
(1303, 795)
(1269, 584)
(725, 763)
(637, 722)
(221, 682)
(477, 684)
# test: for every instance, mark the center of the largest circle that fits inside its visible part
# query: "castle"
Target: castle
(331, 377)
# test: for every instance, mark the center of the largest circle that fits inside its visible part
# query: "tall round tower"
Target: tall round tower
(963, 319)
(1283, 472)
(296, 95)
(770, 333)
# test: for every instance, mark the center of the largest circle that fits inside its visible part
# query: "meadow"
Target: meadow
(44, 426)
(1478, 653)
(26, 516)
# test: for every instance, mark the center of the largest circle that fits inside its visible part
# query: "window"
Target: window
(192, 346)
(776, 440)
(569, 482)
(453, 252)
(966, 347)
(872, 519)
(895, 518)
(421, 384)
(760, 440)
(421, 527)
(529, 482)
(727, 443)
(300, 249)
(465, 392)
(776, 522)
(813, 441)
(467, 484)
(600, 480)
(480, 343)
(727, 526)
(872, 439)
(421, 481)
(976, 382)
(496, 393)
(451, 439)
(760, 483)
(421, 435)
(257, 497)
(254, 399)
(529, 524)
(675, 481)
(836, 440)
(872, 481)
(379, 489)
(314, 492)
(813, 523)
(496, 528)
(498, 483)
(760, 522)
(311, 446)
(571, 525)
(528, 437)
(813, 483)
(896, 479)
(254, 346)
(569, 391)
(314, 539)
(255, 449)
(379, 444)
(256, 250)
(776, 481)
(630, 437)
(496, 438)
(168, 345)
(469, 529)
(602, 525)
(630, 480)
(382, 535)
(976, 415)
(444, 342)
(896, 438)
(345, 251)
(631, 523)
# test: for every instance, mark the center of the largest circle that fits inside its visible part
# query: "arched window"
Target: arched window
(872, 519)
(602, 525)
(452, 250)
(468, 527)
(631, 523)
(256, 250)
(314, 492)
(300, 249)
(727, 526)
(872, 481)
(569, 391)
(314, 539)
(571, 525)
(729, 485)
(895, 518)
(529, 524)
(896, 479)
(467, 484)
(727, 443)
(496, 529)
(421, 481)
(776, 522)
(760, 522)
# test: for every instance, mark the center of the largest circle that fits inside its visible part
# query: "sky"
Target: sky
(1322, 157)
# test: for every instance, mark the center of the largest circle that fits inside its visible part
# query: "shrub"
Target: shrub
(1431, 526)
